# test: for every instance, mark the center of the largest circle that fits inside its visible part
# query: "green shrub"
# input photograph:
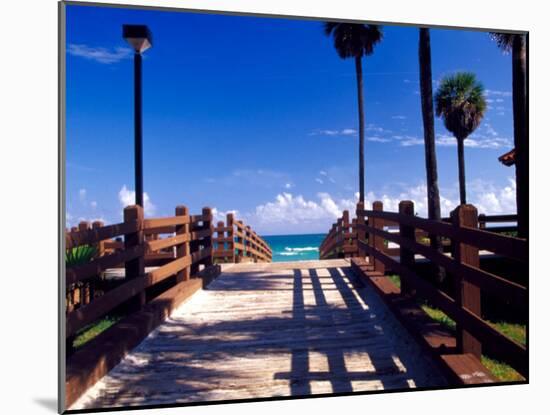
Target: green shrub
(79, 255)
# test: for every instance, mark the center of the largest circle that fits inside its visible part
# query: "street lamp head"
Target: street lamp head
(138, 36)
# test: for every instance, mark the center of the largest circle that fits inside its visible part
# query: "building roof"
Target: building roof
(509, 158)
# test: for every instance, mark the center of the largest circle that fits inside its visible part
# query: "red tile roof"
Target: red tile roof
(509, 158)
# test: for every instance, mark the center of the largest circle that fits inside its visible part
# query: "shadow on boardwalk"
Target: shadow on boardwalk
(292, 332)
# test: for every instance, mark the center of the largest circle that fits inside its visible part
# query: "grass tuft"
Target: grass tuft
(91, 331)
(395, 279)
(500, 370)
(439, 316)
(516, 332)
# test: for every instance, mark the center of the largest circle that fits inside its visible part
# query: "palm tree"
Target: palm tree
(426, 98)
(461, 104)
(352, 40)
(517, 44)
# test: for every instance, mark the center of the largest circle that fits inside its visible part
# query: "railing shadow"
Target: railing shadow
(187, 361)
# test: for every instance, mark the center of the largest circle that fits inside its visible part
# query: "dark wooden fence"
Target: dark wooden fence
(235, 242)
(467, 236)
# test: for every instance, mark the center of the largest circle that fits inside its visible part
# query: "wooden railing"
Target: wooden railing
(341, 240)
(462, 265)
(235, 242)
(182, 253)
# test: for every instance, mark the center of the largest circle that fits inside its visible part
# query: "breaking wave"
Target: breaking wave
(307, 248)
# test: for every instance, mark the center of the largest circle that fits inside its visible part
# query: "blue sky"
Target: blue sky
(259, 116)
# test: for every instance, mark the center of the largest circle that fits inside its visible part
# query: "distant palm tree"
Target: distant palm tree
(517, 44)
(353, 40)
(461, 104)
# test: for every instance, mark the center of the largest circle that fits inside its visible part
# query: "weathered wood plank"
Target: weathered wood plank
(332, 335)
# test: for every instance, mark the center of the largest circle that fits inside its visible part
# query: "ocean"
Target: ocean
(295, 247)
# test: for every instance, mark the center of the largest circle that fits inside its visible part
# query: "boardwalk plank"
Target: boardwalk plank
(263, 330)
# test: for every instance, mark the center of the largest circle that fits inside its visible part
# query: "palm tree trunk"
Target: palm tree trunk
(426, 97)
(521, 135)
(461, 172)
(359, 73)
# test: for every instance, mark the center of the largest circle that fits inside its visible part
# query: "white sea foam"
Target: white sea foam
(307, 248)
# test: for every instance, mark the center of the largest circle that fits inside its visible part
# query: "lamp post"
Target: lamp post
(140, 39)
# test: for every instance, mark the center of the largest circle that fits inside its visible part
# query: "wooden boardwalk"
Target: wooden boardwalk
(269, 329)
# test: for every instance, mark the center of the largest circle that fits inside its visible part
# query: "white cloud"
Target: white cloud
(490, 130)
(323, 173)
(294, 213)
(348, 131)
(82, 195)
(492, 200)
(288, 186)
(376, 128)
(252, 178)
(127, 197)
(378, 139)
(344, 131)
(93, 204)
(492, 92)
(398, 117)
(408, 140)
(476, 141)
(296, 210)
(490, 139)
(99, 54)
(318, 180)
(221, 216)
(485, 196)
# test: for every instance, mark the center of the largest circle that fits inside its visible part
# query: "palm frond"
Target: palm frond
(460, 101)
(504, 40)
(353, 39)
(79, 255)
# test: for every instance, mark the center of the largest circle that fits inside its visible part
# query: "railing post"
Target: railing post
(184, 249)
(406, 256)
(467, 295)
(241, 252)
(220, 246)
(207, 241)
(100, 246)
(84, 297)
(361, 234)
(249, 243)
(135, 268)
(339, 239)
(353, 239)
(194, 246)
(100, 251)
(231, 235)
(377, 242)
(345, 229)
(482, 223)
